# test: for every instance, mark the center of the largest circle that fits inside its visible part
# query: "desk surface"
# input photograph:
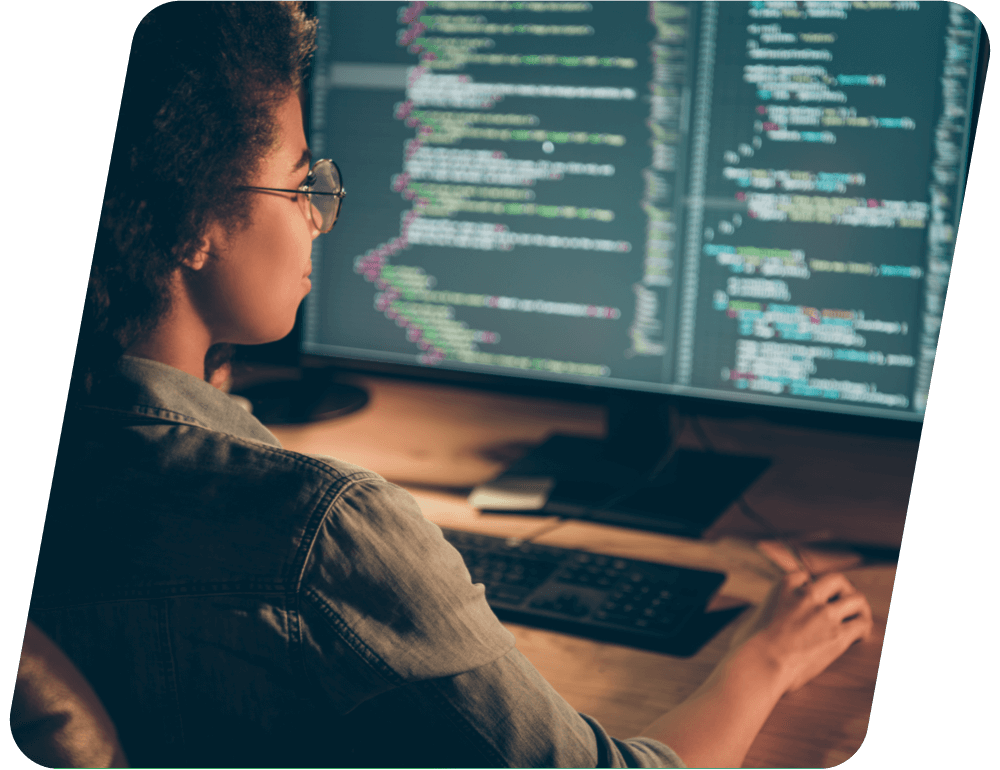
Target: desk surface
(440, 441)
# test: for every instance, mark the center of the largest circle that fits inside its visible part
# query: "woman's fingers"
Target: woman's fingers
(827, 588)
(794, 581)
(849, 607)
(854, 615)
(780, 554)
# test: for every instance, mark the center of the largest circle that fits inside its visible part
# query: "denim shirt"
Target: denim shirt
(237, 604)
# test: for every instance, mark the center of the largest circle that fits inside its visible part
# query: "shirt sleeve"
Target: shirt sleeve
(518, 720)
(400, 621)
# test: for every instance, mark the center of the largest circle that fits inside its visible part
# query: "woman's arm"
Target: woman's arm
(804, 627)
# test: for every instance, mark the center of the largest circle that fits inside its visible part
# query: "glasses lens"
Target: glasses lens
(326, 199)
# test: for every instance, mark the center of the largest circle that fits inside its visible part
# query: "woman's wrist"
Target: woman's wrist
(755, 663)
(716, 725)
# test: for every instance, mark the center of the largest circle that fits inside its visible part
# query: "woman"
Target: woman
(236, 604)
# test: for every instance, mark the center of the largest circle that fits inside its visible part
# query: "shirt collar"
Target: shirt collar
(154, 389)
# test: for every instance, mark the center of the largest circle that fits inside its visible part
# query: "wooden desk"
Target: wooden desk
(439, 441)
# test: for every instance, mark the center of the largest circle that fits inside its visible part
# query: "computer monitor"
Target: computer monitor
(753, 202)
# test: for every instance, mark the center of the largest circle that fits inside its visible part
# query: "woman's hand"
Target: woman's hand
(800, 629)
(805, 625)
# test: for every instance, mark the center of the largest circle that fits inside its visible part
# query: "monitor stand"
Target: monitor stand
(636, 477)
(301, 395)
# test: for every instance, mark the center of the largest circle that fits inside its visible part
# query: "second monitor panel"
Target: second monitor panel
(747, 201)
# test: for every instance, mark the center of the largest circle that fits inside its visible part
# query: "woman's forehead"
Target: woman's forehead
(291, 153)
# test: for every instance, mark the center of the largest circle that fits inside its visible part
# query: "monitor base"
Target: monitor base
(578, 478)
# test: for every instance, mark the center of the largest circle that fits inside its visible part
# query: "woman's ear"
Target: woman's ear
(206, 248)
(197, 260)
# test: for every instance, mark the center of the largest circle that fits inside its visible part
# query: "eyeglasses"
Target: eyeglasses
(324, 190)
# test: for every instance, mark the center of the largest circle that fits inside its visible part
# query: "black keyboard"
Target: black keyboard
(637, 603)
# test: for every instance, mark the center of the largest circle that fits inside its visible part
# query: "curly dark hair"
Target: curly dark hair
(197, 116)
